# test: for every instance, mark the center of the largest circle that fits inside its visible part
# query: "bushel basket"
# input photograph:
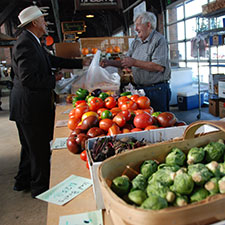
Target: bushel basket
(207, 211)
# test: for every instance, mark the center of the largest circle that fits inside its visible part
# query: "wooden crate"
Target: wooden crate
(205, 212)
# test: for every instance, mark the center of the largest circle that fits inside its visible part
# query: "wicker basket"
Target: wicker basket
(207, 211)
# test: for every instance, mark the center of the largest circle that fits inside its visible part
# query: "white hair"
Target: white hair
(147, 17)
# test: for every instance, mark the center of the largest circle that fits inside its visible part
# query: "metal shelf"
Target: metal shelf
(217, 13)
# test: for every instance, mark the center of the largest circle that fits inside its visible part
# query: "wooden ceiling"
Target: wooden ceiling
(105, 23)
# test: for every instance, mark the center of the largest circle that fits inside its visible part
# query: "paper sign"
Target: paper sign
(66, 190)
(67, 111)
(61, 123)
(59, 143)
(88, 218)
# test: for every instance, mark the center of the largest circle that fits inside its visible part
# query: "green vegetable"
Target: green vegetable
(181, 200)
(89, 99)
(199, 194)
(139, 182)
(172, 168)
(148, 168)
(155, 114)
(106, 114)
(165, 176)
(199, 173)
(222, 168)
(103, 95)
(195, 155)
(221, 183)
(126, 93)
(137, 196)
(154, 202)
(214, 151)
(183, 184)
(121, 185)
(82, 93)
(214, 167)
(176, 157)
(212, 186)
(75, 99)
(157, 188)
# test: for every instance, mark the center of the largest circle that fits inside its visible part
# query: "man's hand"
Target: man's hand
(128, 62)
(104, 63)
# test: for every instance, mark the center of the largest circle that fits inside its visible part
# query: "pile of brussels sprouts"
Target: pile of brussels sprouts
(181, 180)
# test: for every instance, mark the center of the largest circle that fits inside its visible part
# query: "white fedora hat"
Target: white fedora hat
(29, 14)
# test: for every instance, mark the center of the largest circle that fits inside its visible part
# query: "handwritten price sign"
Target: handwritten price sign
(66, 190)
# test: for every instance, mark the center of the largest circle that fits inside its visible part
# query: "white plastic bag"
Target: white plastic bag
(98, 77)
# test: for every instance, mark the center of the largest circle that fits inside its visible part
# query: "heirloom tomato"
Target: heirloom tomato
(96, 103)
(134, 97)
(94, 132)
(151, 127)
(119, 119)
(83, 155)
(115, 111)
(72, 146)
(128, 105)
(110, 102)
(113, 130)
(127, 114)
(143, 120)
(87, 114)
(72, 123)
(80, 110)
(106, 114)
(166, 119)
(105, 124)
(143, 102)
(136, 130)
(99, 111)
(150, 110)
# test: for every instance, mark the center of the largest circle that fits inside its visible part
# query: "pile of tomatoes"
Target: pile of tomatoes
(113, 116)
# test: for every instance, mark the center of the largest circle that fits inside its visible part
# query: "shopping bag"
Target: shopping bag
(98, 77)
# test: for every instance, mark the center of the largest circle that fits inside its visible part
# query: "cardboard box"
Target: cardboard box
(222, 108)
(153, 136)
(213, 82)
(187, 101)
(221, 89)
(207, 211)
(214, 107)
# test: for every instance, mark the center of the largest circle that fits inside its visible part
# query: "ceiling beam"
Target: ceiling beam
(8, 11)
(55, 7)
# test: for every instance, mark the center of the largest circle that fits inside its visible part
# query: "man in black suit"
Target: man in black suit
(32, 102)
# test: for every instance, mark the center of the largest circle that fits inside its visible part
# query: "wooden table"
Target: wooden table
(64, 164)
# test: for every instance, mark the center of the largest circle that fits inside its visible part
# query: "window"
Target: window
(184, 22)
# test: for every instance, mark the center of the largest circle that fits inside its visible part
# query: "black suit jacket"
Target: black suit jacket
(31, 98)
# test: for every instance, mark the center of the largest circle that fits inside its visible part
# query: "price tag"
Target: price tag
(59, 143)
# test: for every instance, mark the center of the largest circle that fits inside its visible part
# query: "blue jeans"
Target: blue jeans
(159, 95)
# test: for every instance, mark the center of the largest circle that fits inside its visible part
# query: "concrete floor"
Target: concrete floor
(17, 208)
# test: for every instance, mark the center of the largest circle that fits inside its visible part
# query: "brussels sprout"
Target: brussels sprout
(157, 188)
(154, 202)
(137, 196)
(183, 184)
(181, 170)
(176, 156)
(222, 168)
(221, 183)
(195, 155)
(199, 173)
(172, 168)
(199, 194)
(164, 176)
(221, 141)
(214, 167)
(139, 182)
(212, 186)
(148, 168)
(121, 185)
(181, 200)
(214, 151)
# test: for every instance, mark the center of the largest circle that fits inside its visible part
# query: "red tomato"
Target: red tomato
(151, 127)
(94, 132)
(127, 114)
(136, 130)
(143, 102)
(150, 110)
(134, 97)
(83, 155)
(80, 102)
(80, 110)
(120, 120)
(166, 119)
(138, 112)
(115, 111)
(123, 98)
(128, 105)
(99, 111)
(125, 130)
(72, 113)
(72, 146)
(87, 165)
(81, 139)
(105, 124)
(96, 103)
(128, 126)
(113, 130)
(110, 102)
(143, 120)
(72, 123)
(180, 123)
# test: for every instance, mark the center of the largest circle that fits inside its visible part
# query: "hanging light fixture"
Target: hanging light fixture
(90, 16)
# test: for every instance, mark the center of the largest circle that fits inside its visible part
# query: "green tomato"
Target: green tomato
(106, 114)
(103, 95)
